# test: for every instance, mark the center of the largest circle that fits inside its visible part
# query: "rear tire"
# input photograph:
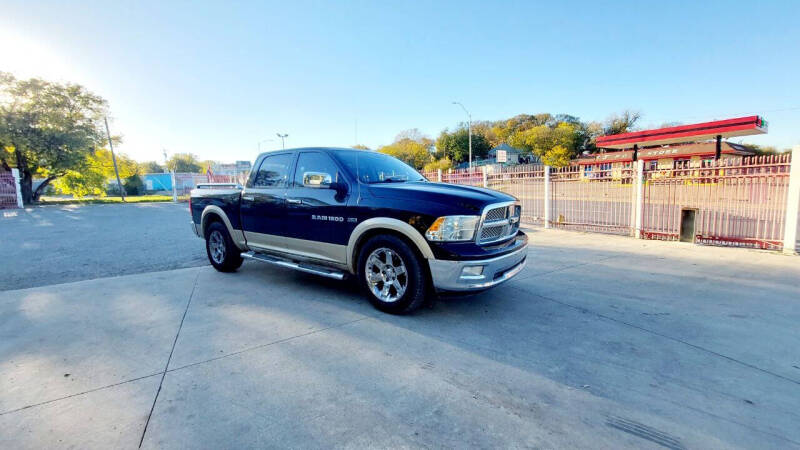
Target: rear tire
(222, 252)
(392, 275)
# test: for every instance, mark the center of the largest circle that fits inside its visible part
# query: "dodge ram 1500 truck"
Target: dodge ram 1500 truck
(345, 212)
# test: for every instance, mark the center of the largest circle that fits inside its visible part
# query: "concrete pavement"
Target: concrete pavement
(601, 342)
(56, 244)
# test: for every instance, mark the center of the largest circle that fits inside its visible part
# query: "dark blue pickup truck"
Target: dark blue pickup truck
(345, 212)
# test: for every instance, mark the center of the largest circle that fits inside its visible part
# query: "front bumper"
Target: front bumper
(448, 275)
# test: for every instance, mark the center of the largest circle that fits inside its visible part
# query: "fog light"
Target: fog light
(472, 271)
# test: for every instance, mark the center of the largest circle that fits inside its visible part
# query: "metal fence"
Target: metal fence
(737, 202)
(602, 202)
(525, 183)
(8, 191)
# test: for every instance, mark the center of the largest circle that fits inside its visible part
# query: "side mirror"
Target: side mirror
(319, 180)
(339, 187)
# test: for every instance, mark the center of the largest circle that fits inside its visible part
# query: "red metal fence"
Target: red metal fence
(602, 202)
(739, 202)
(8, 191)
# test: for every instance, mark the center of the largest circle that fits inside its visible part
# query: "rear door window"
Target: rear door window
(273, 171)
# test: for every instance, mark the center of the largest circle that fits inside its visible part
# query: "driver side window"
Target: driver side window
(312, 168)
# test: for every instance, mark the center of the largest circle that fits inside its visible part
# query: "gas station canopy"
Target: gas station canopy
(742, 126)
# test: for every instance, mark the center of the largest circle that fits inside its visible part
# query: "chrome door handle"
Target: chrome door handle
(248, 198)
(294, 201)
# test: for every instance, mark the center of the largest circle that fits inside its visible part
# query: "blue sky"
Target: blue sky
(215, 79)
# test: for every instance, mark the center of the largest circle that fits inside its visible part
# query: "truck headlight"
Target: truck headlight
(453, 228)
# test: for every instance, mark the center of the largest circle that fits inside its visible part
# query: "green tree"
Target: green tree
(361, 147)
(556, 144)
(47, 129)
(93, 174)
(455, 145)
(413, 153)
(151, 167)
(186, 163)
(442, 164)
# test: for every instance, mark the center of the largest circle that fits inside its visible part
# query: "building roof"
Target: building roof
(505, 147)
(740, 126)
(672, 151)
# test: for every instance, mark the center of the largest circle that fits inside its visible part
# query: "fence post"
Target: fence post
(15, 174)
(439, 175)
(547, 196)
(485, 177)
(174, 189)
(792, 205)
(638, 205)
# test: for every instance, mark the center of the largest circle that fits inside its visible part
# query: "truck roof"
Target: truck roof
(326, 149)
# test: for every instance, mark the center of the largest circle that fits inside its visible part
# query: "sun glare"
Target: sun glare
(26, 58)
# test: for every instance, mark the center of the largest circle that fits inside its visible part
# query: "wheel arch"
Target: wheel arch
(385, 225)
(213, 213)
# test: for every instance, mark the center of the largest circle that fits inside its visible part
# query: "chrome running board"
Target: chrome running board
(302, 267)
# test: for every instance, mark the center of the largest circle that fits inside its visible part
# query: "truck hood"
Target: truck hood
(468, 197)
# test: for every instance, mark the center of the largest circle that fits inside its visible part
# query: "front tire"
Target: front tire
(222, 252)
(392, 275)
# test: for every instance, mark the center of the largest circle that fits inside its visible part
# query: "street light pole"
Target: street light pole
(282, 136)
(469, 130)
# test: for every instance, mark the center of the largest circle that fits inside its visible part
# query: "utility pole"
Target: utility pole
(469, 130)
(114, 159)
(282, 136)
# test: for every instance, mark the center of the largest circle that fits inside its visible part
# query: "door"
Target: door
(263, 208)
(316, 208)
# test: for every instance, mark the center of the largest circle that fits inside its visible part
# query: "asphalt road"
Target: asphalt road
(602, 342)
(57, 244)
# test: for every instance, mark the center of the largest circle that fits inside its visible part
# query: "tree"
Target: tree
(413, 153)
(455, 145)
(556, 144)
(92, 175)
(151, 167)
(622, 123)
(439, 164)
(47, 129)
(185, 162)
(361, 147)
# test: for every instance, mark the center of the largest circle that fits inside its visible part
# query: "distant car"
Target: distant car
(345, 212)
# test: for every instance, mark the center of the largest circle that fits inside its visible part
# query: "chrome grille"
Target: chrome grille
(497, 214)
(498, 223)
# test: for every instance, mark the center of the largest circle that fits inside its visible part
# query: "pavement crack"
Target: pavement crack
(77, 394)
(169, 358)
(662, 335)
(267, 344)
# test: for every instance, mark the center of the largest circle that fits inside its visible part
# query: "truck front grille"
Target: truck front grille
(498, 223)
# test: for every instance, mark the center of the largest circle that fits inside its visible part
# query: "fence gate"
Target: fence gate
(737, 202)
(8, 190)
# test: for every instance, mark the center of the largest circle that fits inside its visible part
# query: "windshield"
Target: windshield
(372, 167)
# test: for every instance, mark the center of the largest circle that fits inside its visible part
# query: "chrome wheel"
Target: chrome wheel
(216, 246)
(386, 274)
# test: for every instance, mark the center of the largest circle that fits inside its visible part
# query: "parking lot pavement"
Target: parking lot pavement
(602, 342)
(58, 244)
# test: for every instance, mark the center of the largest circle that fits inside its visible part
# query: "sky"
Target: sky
(218, 79)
